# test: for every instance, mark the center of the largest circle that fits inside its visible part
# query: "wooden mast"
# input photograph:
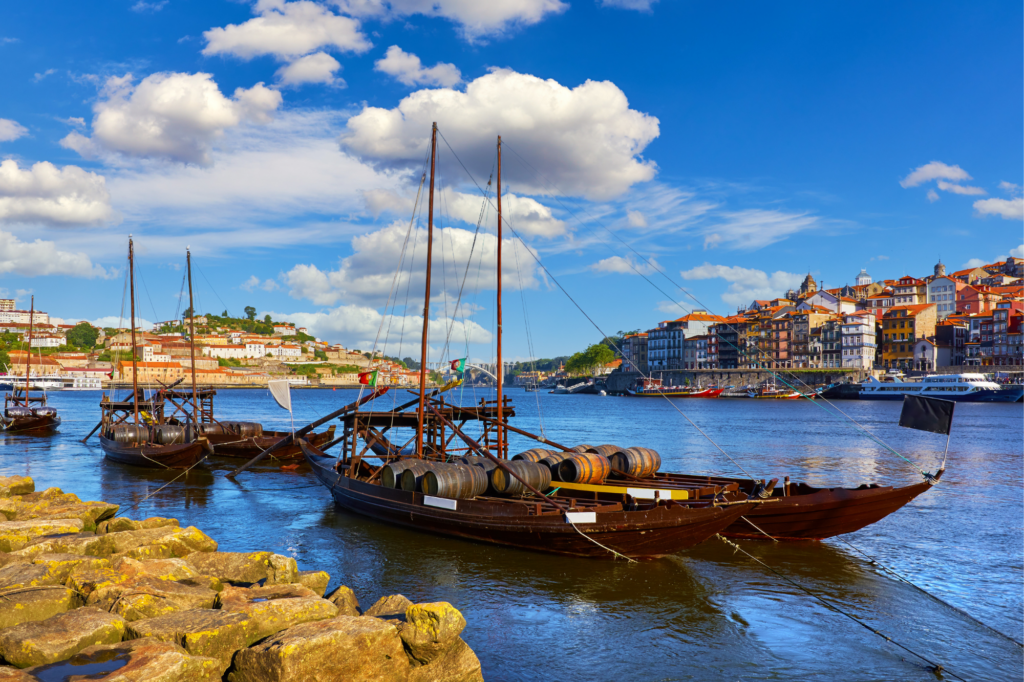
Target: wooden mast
(426, 297)
(192, 337)
(500, 369)
(28, 362)
(135, 366)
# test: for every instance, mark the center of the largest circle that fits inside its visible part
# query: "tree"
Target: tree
(250, 312)
(83, 335)
(188, 312)
(411, 364)
(224, 314)
(320, 355)
(268, 319)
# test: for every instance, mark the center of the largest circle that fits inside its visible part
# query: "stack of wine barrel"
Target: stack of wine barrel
(240, 429)
(469, 477)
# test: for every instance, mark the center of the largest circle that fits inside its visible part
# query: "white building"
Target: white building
(22, 316)
(859, 340)
(228, 352)
(285, 351)
(942, 292)
(255, 350)
(48, 341)
(150, 354)
(863, 277)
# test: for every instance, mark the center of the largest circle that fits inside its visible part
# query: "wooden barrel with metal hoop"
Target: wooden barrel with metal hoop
(245, 429)
(584, 467)
(169, 434)
(553, 460)
(412, 476)
(475, 460)
(639, 462)
(454, 481)
(534, 473)
(605, 450)
(533, 455)
(391, 474)
(131, 433)
(582, 448)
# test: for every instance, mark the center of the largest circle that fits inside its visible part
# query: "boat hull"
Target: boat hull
(178, 456)
(229, 445)
(650, 534)
(982, 396)
(32, 426)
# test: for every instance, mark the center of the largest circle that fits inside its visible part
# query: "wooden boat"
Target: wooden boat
(19, 415)
(654, 388)
(227, 443)
(153, 456)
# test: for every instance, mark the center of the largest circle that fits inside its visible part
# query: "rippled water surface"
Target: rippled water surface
(705, 614)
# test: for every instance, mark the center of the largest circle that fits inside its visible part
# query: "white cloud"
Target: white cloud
(318, 67)
(287, 30)
(143, 6)
(40, 76)
(1010, 188)
(380, 200)
(638, 5)
(174, 116)
(1017, 252)
(746, 284)
(51, 195)
(254, 283)
(367, 275)
(114, 322)
(475, 19)
(586, 139)
(625, 265)
(32, 259)
(974, 263)
(756, 228)
(1009, 209)
(11, 130)
(958, 189)
(407, 68)
(74, 121)
(636, 219)
(934, 171)
(933, 196)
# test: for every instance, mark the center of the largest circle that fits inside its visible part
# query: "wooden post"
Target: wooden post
(135, 366)
(426, 296)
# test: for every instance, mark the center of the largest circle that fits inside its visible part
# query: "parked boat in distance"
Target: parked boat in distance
(19, 415)
(966, 388)
(655, 388)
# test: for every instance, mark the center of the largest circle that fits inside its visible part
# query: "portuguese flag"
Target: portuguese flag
(459, 365)
(368, 378)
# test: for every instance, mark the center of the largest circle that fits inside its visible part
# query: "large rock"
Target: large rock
(145, 597)
(59, 637)
(431, 629)
(15, 675)
(25, 575)
(314, 580)
(201, 632)
(275, 608)
(342, 648)
(247, 568)
(393, 605)
(165, 569)
(160, 543)
(137, 660)
(457, 664)
(16, 534)
(54, 504)
(16, 485)
(122, 523)
(345, 599)
(25, 605)
(85, 579)
(81, 544)
(60, 566)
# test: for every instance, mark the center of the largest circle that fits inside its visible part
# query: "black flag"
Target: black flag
(927, 414)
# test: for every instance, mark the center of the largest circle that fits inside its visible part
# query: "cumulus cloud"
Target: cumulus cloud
(367, 275)
(746, 284)
(636, 219)
(933, 171)
(1009, 188)
(114, 322)
(586, 139)
(1018, 251)
(475, 19)
(51, 195)
(1009, 209)
(638, 5)
(958, 189)
(933, 196)
(31, 259)
(174, 116)
(254, 283)
(318, 67)
(142, 6)
(407, 68)
(626, 266)
(287, 30)
(756, 228)
(11, 130)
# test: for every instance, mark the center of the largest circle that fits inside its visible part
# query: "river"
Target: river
(705, 614)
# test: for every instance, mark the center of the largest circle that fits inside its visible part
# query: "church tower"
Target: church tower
(808, 287)
(940, 269)
(863, 277)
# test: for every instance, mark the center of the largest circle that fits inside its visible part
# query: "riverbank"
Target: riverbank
(87, 592)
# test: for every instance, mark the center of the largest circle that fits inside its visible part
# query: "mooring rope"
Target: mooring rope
(632, 561)
(136, 505)
(934, 667)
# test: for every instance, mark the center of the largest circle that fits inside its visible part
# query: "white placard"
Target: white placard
(439, 502)
(648, 493)
(580, 517)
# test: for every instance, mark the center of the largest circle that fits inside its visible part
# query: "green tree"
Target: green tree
(82, 335)
(320, 355)
(250, 312)
(267, 319)
(188, 312)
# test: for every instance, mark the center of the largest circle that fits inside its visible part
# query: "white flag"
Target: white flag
(281, 390)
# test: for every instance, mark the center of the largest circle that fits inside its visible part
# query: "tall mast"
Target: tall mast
(426, 296)
(192, 337)
(28, 363)
(500, 367)
(135, 366)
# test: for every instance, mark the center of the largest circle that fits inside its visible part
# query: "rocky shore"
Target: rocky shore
(85, 594)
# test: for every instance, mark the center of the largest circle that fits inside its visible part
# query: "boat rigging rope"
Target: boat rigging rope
(617, 555)
(134, 506)
(809, 396)
(935, 667)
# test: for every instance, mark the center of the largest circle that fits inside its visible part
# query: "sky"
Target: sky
(658, 156)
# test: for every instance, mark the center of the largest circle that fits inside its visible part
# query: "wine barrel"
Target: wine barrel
(210, 429)
(412, 477)
(553, 460)
(18, 411)
(454, 481)
(245, 429)
(44, 412)
(639, 462)
(534, 473)
(169, 434)
(475, 460)
(391, 474)
(131, 433)
(604, 450)
(534, 455)
(582, 448)
(584, 467)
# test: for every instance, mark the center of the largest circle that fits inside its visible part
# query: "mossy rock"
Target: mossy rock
(59, 637)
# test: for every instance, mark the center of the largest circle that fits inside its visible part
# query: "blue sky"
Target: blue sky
(735, 146)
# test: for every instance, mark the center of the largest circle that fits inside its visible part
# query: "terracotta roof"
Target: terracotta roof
(912, 310)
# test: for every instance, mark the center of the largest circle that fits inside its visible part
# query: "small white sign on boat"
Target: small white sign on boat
(439, 502)
(648, 493)
(580, 517)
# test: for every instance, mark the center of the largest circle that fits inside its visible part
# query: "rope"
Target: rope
(135, 506)
(617, 555)
(935, 667)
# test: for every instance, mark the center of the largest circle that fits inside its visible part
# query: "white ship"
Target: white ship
(973, 388)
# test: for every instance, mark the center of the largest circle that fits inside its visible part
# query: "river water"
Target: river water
(705, 614)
